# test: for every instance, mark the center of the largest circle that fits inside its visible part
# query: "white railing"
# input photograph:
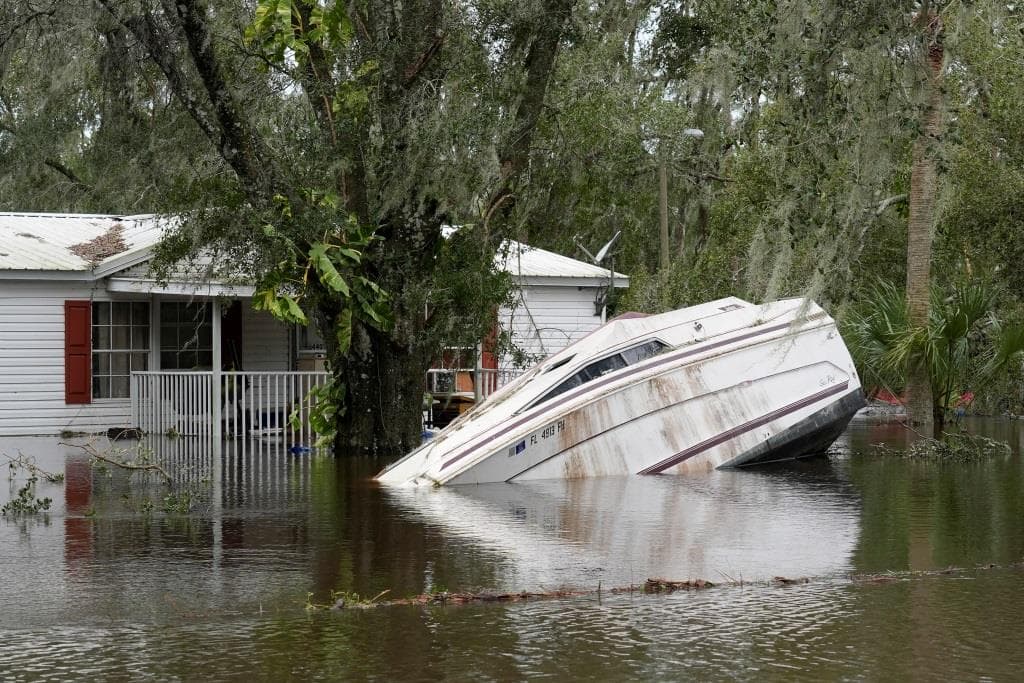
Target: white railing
(234, 403)
(490, 380)
(259, 403)
(177, 403)
(484, 381)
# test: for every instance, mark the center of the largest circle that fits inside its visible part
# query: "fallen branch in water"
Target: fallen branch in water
(653, 586)
(666, 586)
(95, 454)
(29, 464)
(889, 577)
(442, 598)
(950, 447)
(446, 598)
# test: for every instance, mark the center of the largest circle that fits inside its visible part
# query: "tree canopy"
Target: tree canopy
(323, 145)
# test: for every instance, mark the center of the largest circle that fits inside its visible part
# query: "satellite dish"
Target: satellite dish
(606, 248)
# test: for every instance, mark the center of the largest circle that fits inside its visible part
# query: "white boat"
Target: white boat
(723, 384)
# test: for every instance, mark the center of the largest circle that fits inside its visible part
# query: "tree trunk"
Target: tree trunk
(923, 190)
(663, 209)
(385, 398)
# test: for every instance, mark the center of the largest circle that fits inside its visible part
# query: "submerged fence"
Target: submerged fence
(205, 404)
(211, 406)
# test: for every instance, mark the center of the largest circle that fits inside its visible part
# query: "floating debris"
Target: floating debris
(654, 586)
(666, 586)
(783, 581)
(952, 446)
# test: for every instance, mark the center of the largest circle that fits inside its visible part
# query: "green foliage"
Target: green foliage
(678, 41)
(333, 266)
(179, 502)
(965, 345)
(25, 501)
(324, 401)
(279, 26)
(952, 447)
(880, 339)
(984, 198)
(366, 137)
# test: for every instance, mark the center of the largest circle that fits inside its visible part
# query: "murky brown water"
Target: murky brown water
(100, 589)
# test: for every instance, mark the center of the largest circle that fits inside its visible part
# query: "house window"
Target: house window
(186, 336)
(120, 344)
(308, 341)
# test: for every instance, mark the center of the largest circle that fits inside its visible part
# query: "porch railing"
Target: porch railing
(485, 381)
(234, 403)
(247, 404)
(490, 380)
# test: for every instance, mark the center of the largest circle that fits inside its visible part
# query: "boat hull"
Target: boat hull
(810, 436)
(767, 392)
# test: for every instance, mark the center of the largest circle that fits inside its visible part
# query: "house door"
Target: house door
(231, 337)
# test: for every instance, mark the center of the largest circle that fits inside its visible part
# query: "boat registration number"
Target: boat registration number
(537, 437)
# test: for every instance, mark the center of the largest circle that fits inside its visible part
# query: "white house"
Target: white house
(558, 300)
(89, 341)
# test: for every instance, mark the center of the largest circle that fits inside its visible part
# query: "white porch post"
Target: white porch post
(478, 379)
(217, 436)
(216, 377)
(154, 332)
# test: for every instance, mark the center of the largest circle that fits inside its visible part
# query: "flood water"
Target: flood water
(121, 580)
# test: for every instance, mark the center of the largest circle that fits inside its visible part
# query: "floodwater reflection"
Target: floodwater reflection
(620, 530)
(121, 579)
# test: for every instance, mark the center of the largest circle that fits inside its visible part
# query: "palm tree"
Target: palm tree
(923, 189)
(963, 343)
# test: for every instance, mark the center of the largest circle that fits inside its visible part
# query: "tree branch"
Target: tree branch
(12, 31)
(237, 143)
(514, 151)
(315, 72)
(315, 76)
(94, 453)
(889, 201)
(67, 173)
(413, 71)
(160, 45)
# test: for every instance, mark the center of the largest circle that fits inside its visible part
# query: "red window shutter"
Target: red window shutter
(488, 356)
(77, 352)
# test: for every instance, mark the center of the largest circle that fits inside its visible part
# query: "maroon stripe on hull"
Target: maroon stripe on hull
(590, 386)
(707, 444)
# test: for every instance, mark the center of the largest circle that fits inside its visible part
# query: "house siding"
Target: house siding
(32, 362)
(546, 319)
(264, 341)
(32, 358)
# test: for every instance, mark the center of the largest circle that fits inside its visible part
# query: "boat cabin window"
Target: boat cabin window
(640, 352)
(560, 363)
(599, 368)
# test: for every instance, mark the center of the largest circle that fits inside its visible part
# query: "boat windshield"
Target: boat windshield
(599, 368)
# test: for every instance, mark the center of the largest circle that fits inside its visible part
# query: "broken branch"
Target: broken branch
(135, 467)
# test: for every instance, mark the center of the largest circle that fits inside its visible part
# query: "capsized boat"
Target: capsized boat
(722, 384)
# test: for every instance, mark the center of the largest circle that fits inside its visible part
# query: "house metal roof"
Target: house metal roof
(103, 244)
(49, 241)
(525, 261)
